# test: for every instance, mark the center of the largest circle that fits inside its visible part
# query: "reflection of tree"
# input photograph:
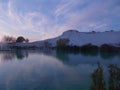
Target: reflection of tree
(8, 56)
(87, 53)
(107, 55)
(62, 55)
(99, 82)
(114, 77)
(11, 55)
(98, 79)
(21, 54)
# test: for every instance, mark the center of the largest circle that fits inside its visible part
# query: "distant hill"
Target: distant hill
(76, 38)
(82, 38)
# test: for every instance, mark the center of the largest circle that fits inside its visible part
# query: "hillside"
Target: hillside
(75, 38)
(82, 38)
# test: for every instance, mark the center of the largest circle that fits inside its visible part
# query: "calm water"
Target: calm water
(51, 70)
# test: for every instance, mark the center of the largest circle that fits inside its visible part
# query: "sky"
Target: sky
(43, 19)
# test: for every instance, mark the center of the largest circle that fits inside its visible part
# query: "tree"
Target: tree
(114, 77)
(93, 31)
(62, 42)
(98, 79)
(26, 40)
(8, 39)
(47, 44)
(20, 39)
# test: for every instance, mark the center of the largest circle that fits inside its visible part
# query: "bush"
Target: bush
(20, 39)
(108, 48)
(89, 47)
(47, 44)
(62, 43)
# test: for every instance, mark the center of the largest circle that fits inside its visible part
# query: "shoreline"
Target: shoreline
(85, 48)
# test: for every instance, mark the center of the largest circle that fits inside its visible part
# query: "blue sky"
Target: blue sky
(42, 19)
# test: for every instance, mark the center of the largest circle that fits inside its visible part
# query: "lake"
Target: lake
(54, 70)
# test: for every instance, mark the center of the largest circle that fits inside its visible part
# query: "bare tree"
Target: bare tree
(9, 39)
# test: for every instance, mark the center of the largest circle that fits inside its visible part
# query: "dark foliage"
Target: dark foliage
(9, 39)
(98, 79)
(114, 77)
(89, 47)
(62, 42)
(108, 48)
(69, 48)
(20, 39)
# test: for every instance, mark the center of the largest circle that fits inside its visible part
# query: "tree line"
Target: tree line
(10, 39)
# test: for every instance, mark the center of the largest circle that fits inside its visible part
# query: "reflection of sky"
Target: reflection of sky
(41, 71)
(45, 70)
(69, 58)
(49, 18)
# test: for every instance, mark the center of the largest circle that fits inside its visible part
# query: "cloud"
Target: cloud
(39, 19)
(13, 22)
(93, 15)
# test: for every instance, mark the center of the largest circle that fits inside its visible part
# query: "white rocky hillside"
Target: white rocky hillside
(82, 38)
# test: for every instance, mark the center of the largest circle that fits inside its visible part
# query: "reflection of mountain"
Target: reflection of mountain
(46, 70)
(72, 58)
(69, 58)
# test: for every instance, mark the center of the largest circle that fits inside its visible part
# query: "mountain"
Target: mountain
(82, 38)
(75, 38)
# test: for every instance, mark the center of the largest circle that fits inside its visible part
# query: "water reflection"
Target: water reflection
(60, 55)
(108, 56)
(21, 54)
(86, 53)
(63, 56)
(75, 58)
(6, 56)
(11, 55)
(98, 79)
(56, 70)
